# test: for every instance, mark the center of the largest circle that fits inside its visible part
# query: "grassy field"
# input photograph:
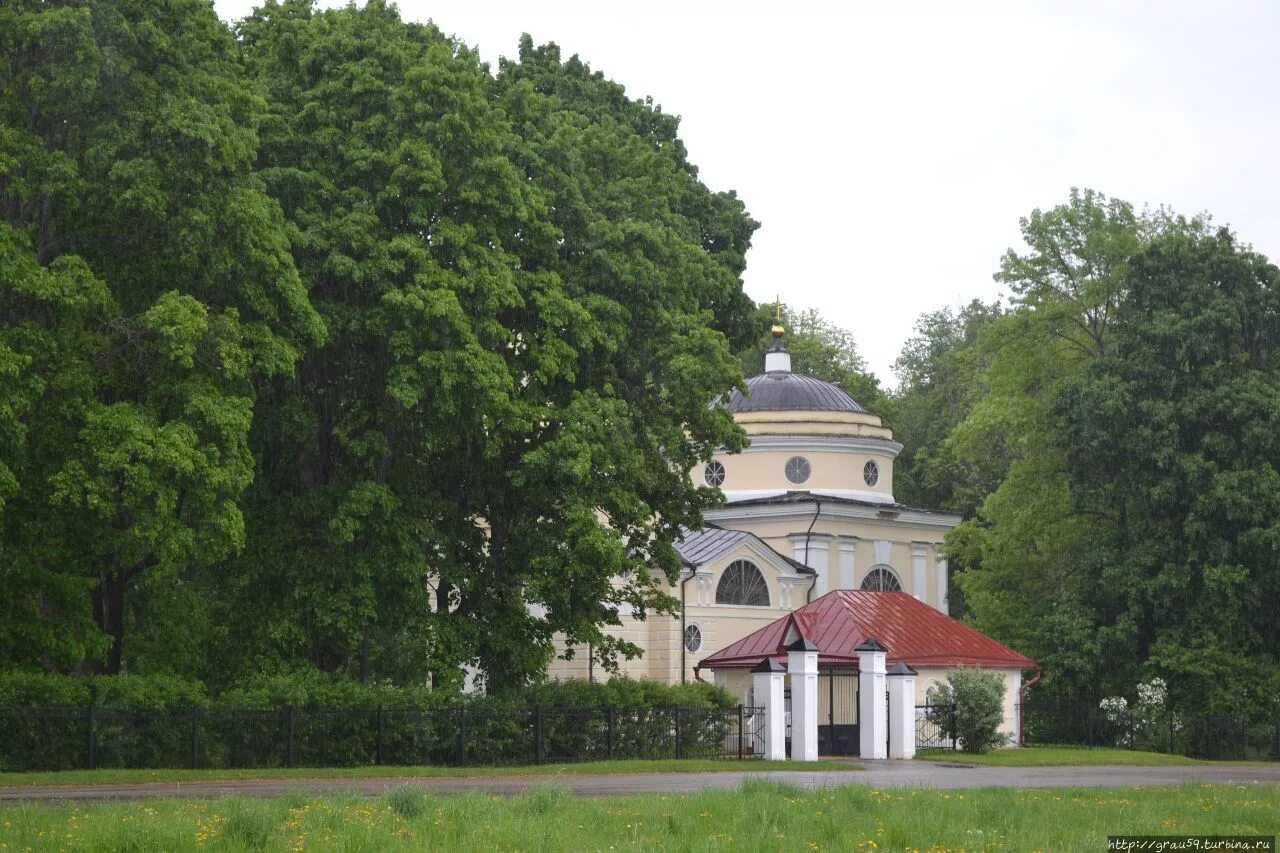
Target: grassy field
(763, 815)
(1044, 756)
(687, 765)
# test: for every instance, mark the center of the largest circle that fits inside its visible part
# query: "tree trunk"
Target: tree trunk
(108, 612)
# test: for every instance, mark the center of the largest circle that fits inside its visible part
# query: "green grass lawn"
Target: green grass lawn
(1043, 756)
(687, 765)
(762, 815)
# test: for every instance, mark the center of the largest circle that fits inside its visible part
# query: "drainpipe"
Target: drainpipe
(1022, 707)
(683, 677)
(808, 596)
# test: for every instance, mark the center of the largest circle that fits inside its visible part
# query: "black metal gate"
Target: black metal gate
(838, 712)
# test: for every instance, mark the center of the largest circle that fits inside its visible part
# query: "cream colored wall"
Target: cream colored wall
(662, 637)
(722, 626)
(864, 534)
(759, 470)
(736, 681)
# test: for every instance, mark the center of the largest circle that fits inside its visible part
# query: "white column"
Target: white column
(767, 680)
(873, 718)
(802, 669)
(919, 551)
(902, 711)
(848, 547)
(942, 603)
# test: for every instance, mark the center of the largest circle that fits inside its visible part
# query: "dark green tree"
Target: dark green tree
(528, 294)
(147, 289)
(1172, 443)
(1023, 550)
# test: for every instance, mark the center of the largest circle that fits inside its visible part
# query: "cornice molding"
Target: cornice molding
(823, 443)
(853, 512)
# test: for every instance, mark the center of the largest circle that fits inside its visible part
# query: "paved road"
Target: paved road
(924, 774)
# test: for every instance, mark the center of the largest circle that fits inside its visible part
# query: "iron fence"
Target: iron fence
(1086, 723)
(88, 738)
(935, 726)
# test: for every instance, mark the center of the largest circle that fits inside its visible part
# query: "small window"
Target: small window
(798, 470)
(692, 638)
(871, 473)
(881, 579)
(714, 474)
(742, 583)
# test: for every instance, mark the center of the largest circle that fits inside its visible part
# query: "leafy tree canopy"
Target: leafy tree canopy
(1172, 445)
(528, 294)
(940, 381)
(148, 291)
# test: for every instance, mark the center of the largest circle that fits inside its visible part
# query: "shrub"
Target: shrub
(978, 697)
(148, 692)
(43, 689)
(624, 692)
(1148, 723)
(314, 689)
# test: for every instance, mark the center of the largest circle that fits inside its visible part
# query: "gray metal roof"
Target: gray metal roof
(696, 547)
(700, 546)
(781, 391)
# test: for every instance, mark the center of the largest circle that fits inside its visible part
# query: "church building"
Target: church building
(810, 535)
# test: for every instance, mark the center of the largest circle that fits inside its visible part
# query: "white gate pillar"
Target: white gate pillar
(768, 688)
(802, 669)
(873, 720)
(902, 711)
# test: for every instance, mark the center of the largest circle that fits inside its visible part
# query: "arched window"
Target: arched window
(882, 579)
(742, 583)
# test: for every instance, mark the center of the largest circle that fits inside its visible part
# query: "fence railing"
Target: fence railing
(1085, 723)
(935, 726)
(88, 738)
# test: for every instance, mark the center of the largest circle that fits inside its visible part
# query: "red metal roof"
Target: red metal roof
(840, 621)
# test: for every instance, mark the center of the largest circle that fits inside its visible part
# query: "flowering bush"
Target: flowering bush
(1148, 723)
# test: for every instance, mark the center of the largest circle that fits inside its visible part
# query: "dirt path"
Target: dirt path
(924, 774)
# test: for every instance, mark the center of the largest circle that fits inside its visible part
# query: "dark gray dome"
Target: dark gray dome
(781, 391)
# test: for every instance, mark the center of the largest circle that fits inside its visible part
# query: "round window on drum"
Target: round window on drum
(798, 470)
(713, 474)
(871, 473)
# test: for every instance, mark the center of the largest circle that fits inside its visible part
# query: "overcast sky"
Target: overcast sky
(888, 149)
